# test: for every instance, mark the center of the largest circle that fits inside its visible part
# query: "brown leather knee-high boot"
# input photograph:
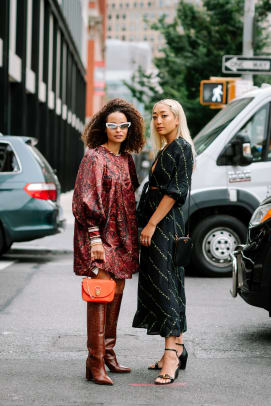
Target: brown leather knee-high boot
(95, 369)
(112, 314)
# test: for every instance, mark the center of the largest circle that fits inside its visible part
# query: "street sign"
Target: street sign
(238, 64)
(212, 92)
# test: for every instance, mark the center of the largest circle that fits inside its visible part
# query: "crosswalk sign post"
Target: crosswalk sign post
(213, 93)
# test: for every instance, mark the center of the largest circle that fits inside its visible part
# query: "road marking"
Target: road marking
(5, 264)
(153, 384)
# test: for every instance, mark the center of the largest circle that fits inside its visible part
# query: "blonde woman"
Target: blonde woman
(161, 294)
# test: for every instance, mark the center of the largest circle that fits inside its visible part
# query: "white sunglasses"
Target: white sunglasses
(114, 126)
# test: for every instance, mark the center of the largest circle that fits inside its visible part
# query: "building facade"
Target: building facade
(95, 95)
(126, 20)
(42, 78)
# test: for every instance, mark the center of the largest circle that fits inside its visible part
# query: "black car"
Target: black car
(252, 262)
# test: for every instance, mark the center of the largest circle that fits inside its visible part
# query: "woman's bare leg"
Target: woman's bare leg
(179, 340)
(170, 360)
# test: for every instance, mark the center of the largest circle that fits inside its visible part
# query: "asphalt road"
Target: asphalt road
(42, 343)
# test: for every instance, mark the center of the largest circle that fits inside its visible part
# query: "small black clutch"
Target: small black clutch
(183, 247)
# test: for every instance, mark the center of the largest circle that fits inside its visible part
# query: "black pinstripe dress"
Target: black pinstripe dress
(161, 294)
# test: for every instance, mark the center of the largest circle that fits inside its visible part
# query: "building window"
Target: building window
(123, 38)
(149, 3)
(109, 16)
(124, 16)
(117, 16)
(109, 28)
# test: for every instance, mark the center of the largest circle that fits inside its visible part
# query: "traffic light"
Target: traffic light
(213, 92)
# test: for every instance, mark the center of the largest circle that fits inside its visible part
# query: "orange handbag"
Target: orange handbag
(98, 290)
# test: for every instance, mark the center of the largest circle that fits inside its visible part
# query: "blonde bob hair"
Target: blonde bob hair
(182, 129)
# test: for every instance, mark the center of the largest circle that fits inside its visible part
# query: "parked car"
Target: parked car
(232, 176)
(29, 193)
(251, 276)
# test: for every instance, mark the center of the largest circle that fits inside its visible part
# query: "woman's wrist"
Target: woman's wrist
(151, 223)
(97, 241)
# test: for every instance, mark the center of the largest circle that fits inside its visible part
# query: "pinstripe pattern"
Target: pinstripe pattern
(161, 294)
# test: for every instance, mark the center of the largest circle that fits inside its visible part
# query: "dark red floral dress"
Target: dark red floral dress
(104, 207)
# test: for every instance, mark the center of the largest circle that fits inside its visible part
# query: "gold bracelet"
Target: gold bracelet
(96, 243)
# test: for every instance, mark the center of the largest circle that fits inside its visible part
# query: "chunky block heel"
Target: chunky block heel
(89, 376)
(183, 357)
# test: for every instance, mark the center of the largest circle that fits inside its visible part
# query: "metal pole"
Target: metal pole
(249, 12)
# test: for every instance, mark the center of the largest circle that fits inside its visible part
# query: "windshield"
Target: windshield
(209, 133)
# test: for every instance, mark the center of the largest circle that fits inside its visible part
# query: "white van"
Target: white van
(229, 182)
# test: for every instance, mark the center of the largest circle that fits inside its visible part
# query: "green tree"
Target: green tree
(195, 43)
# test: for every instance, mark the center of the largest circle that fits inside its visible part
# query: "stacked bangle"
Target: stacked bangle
(94, 234)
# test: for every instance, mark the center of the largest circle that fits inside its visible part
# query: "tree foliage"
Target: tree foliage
(195, 43)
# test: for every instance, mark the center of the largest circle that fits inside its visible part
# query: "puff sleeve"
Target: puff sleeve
(87, 202)
(132, 171)
(182, 166)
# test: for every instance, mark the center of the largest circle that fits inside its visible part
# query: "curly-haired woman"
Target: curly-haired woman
(105, 234)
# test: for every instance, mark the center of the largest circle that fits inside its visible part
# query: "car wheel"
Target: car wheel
(215, 238)
(4, 247)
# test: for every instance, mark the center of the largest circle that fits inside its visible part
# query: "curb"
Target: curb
(38, 250)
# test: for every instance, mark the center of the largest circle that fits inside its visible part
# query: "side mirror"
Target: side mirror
(242, 150)
(237, 152)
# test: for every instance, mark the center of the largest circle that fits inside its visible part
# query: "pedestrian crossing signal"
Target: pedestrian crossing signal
(213, 92)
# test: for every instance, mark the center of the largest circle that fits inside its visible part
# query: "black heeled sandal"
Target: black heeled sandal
(183, 357)
(166, 376)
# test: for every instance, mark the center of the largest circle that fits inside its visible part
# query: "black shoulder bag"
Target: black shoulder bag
(182, 245)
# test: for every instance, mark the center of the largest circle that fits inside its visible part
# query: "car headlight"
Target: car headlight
(261, 214)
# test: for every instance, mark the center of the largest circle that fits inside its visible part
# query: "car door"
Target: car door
(255, 177)
(11, 186)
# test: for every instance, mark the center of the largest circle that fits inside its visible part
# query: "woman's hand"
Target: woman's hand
(146, 234)
(97, 252)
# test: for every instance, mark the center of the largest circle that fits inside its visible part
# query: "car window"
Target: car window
(8, 160)
(255, 129)
(43, 163)
(220, 121)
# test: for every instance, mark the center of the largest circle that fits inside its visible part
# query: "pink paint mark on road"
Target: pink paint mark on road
(153, 384)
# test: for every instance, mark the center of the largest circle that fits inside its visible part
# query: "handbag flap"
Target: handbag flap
(98, 287)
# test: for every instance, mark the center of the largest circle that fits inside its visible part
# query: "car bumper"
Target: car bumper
(39, 220)
(251, 275)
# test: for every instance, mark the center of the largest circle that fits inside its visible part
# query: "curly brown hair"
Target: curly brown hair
(95, 131)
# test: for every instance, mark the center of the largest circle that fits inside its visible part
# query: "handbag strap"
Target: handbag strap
(188, 221)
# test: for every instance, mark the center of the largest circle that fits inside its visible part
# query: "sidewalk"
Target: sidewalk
(58, 243)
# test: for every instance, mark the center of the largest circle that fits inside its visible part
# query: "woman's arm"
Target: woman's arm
(162, 210)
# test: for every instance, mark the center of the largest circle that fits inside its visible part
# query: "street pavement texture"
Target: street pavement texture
(43, 339)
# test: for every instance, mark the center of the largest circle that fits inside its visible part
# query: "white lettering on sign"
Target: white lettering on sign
(239, 176)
